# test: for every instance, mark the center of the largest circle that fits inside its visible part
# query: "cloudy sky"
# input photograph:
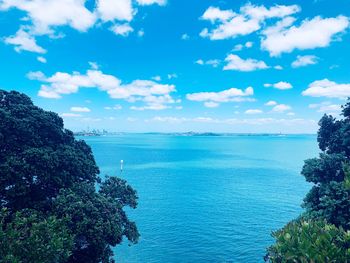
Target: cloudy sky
(179, 65)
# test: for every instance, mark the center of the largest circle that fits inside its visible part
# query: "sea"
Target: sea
(206, 198)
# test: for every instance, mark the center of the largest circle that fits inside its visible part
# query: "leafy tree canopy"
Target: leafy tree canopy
(329, 198)
(46, 174)
(29, 236)
(323, 237)
(310, 241)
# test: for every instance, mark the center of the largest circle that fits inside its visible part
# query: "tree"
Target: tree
(30, 237)
(38, 156)
(310, 241)
(97, 220)
(329, 198)
(45, 170)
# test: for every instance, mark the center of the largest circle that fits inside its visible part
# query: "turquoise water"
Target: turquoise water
(207, 199)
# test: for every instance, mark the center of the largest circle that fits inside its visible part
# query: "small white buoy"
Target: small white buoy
(121, 165)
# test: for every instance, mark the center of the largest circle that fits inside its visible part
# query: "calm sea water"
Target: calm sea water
(207, 199)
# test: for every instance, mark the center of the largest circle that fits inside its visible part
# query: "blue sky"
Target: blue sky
(176, 65)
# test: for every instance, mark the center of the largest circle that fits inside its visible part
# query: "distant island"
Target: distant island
(97, 132)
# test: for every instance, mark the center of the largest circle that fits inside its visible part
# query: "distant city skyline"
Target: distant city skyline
(179, 66)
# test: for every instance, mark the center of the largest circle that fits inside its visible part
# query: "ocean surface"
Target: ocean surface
(206, 199)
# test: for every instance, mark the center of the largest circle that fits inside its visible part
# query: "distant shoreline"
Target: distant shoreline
(191, 134)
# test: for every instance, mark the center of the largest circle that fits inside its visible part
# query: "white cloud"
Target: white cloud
(228, 24)
(160, 102)
(278, 67)
(327, 88)
(214, 14)
(229, 95)
(151, 107)
(172, 76)
(211, 62)
(153, 94)
(23, 41)
(110, 10)
(271, 103)
(253, 111)
(334, 108)
(45, 15)
(238, 25)
(239, 47)
(281, 108)
(122, 29)
(302, 61)
(151, 2)
(318, 105)
(277, 11)
(41, 59)
(140, 33)
(157, 78)
(37, 75)
(185, 37)
(234, 62)
(248, 44)
(234, 121)
(80, 109)
(326, 107)
(314, 33)
(282, 85)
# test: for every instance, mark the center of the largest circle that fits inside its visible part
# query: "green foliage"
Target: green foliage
(119, 191)
(329, 137)
(45, 170)
(327, 201)
(98, 221)
(30, 237)
(346, 176)
(310, 241)
(325, 169)
(330, 202)
(38, 156)
(329, 198)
